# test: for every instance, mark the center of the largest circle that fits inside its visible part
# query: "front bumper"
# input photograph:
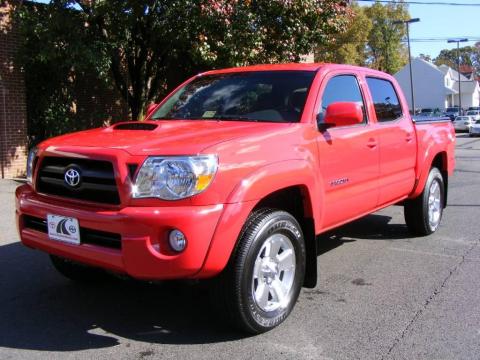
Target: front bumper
(144, 252)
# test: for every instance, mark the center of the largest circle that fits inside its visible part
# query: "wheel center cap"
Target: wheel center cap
(269, 270)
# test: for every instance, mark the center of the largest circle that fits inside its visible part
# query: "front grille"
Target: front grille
(87, 236)
(97, 179)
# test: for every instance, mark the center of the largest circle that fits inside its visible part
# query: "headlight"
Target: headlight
(174, 177)
(30, 159)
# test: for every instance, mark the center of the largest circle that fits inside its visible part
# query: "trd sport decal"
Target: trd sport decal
(338, 182)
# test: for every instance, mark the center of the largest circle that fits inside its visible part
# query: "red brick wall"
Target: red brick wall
(96, 103)
(13, 112)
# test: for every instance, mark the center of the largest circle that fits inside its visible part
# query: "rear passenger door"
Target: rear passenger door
(398, 146)
(348, 155)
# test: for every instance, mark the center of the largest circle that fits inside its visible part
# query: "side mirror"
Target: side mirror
(150, 108)
(343, 114)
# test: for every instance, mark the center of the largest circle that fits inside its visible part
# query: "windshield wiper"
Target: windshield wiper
(168, 118)
(217, 117)
(230, 118)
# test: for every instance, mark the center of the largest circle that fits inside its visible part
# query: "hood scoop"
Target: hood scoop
(136, 126)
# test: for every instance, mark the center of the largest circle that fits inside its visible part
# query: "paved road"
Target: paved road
(382, 295)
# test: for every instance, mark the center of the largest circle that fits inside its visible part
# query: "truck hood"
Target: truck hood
(175, 137)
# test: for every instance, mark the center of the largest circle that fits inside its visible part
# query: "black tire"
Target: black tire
(76, 271)
(234, 288)
(417, 211)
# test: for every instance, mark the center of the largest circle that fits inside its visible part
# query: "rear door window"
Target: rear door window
(385, 99)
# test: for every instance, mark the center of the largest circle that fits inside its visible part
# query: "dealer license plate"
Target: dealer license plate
(62, 228)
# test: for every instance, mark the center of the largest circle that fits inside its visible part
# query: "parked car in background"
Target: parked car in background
(475, 114)
(452, 112)
(474, 108)
(475, 129)
(430, 115)
(463, 123)
(427, 112)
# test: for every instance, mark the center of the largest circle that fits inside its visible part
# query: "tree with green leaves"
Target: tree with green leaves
(371, 38)
(150, 46)
(425, 57)
(350, 46)
(385, 49)
(468, 55)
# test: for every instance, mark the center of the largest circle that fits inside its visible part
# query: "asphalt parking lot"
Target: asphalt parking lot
(381, 295)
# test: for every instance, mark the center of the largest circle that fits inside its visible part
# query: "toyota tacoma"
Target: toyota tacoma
(231, 177)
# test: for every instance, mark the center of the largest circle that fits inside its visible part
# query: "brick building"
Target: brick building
(13, 108)
(95, 102)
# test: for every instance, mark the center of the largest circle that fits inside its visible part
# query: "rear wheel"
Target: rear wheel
(261, 284)
(424, 213)
(75, 271)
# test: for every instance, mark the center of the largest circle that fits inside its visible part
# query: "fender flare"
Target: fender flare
(425, 170)
(246, 195)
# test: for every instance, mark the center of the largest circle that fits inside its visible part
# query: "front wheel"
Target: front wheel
(423, 214)
(262, 281)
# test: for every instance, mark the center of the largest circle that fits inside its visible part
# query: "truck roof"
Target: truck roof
(296, 67)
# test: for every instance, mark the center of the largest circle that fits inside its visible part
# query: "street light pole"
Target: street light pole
(407, 23)
(458, 41)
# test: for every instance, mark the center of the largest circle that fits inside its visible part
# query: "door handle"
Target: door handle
(372, 143)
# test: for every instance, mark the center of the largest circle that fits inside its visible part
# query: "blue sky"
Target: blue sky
(440, 21)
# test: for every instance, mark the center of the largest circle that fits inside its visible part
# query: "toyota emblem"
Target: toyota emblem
(72, 177)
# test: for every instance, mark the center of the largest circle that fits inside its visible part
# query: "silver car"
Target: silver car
(463, 123)
(474, 113)
(475, 129)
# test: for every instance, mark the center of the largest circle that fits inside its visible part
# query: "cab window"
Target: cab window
(385, 99)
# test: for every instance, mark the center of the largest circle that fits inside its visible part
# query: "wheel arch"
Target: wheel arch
(293, 197)
(440, 161)
(296, 200)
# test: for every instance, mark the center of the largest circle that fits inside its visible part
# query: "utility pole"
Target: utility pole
(458, 41)
(407, 23)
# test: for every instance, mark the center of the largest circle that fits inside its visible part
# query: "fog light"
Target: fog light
(177, 240)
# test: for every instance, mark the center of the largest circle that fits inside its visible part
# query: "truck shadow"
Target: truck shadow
(41, 310)
(371, 227)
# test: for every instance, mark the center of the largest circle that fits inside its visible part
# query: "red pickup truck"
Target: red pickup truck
(232, 177)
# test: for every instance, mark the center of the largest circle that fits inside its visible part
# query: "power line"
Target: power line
(421, 2)
(443, 40)
(470, 39)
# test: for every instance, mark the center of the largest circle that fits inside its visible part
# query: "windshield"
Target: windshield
(472, 112)
(451, 110)
(273, 96)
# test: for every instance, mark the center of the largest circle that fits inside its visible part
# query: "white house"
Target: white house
(437, 86)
